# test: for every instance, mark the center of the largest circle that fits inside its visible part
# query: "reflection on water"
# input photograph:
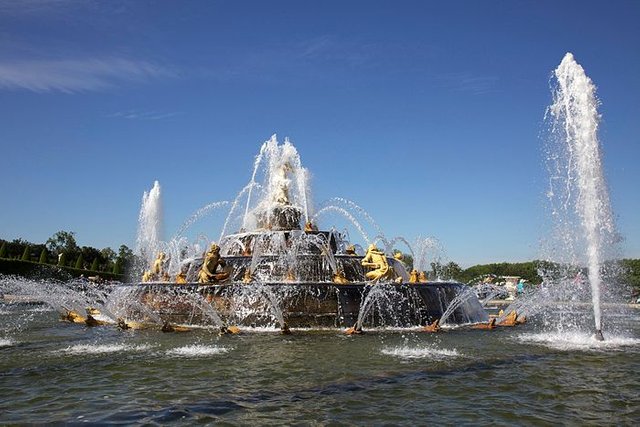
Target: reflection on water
(59, 372)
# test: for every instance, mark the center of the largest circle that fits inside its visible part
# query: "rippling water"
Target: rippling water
(58, 372)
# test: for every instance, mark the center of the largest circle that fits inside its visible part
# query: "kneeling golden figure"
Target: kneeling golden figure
(376, 260)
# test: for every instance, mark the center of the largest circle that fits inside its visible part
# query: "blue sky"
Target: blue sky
(436, 106)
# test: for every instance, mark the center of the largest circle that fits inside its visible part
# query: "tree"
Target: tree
(117, 268)
(108, 254)
(94, 264)
(3, 250)
(108, 257)
(125, 258)
(79, 262)
(62, 241)
(26, 255)
(43, 256)
(452, 271)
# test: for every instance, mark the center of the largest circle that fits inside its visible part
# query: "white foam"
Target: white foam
(6, 342)
(196, 351)
(577, 340)
(420, 352)
(45, 309)
(105, 348)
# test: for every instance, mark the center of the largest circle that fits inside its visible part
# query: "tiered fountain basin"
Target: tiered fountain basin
(316, 305)
(306, 279)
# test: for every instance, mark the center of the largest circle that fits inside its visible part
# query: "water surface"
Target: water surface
(53, 371)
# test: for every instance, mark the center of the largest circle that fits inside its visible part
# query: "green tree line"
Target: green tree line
(62, 249)
(629, 271)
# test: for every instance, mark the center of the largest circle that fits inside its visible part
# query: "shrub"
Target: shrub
(43, 256)
(79, 262)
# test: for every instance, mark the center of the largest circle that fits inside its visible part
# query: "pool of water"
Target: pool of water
(53, 371)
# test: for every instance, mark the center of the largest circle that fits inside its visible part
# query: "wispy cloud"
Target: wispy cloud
(76, 75)
(466, 82)
(144, 115)
(25, 7)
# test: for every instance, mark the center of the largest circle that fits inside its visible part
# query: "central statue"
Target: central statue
(282, 188)
(376, 260)
(279, 213)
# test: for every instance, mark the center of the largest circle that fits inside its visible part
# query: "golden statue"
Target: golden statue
(309, 226)
(509, 319)
(339, 278)
(399, 256)
(351, 250)
(147, 276)
(433, 327)
(291, 276)
(168, 327)
(181, 278)
(211, 262)
(131, 324)
(490, 325)
(233, 330)
(92, 321)
(73, 317)
(157, 272)
(413, 276)
(422, 277)
(247, 277)
(158, 264)
(377, 260)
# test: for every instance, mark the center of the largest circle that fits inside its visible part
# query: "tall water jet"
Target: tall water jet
(583, 222)
(150, 224)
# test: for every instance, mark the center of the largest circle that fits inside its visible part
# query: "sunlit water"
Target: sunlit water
(59, 372)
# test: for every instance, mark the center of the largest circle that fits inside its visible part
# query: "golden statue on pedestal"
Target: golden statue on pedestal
(157, 272)
(158, 265)
(247, 277)
(422, 277)
(181, 278)
(208, 272)
(377, 260)
(414, 276)
(310, 227)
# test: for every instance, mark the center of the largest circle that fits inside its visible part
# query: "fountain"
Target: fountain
(279, 269)
(584, 231)
(150, 224)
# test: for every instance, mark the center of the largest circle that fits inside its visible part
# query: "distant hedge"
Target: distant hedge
(31, 269)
